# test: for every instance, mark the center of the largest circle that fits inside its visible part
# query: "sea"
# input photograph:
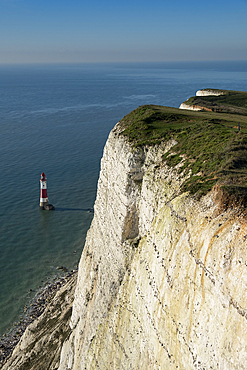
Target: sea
(56, 119)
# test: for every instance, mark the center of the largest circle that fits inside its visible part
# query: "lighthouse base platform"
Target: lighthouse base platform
(47, 207)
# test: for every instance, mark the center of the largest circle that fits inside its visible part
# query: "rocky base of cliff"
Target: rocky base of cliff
(40, 346)
(9, 340)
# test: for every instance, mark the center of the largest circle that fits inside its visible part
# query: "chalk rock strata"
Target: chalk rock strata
(162, 278)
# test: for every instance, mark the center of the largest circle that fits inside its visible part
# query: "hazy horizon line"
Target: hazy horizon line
(126, 62)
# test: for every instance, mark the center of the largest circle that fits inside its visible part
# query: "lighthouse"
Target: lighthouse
(44, 203)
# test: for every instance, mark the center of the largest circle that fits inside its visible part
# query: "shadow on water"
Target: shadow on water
(59, 209)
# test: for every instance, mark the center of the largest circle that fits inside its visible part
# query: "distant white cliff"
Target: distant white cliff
(190, 107)
(208, 92)
(204, 92)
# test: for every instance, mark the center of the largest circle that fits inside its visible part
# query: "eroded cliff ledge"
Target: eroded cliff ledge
(163, 274)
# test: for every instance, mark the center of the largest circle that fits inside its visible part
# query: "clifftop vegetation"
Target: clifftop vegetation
(209, 146)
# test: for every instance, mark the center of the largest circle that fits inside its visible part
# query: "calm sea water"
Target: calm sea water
(56, 119)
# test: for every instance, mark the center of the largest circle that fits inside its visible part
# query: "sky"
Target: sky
(82, 31)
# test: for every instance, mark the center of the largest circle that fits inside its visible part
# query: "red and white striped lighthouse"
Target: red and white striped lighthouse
(43, 191)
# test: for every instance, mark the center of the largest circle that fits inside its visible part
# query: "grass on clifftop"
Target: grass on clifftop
(209, 145)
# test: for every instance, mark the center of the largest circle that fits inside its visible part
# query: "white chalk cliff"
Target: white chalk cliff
(209, 92)
(162, 281)
(190, 107)
(204, 92)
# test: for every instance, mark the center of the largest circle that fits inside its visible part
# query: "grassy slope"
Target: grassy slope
(209, 145)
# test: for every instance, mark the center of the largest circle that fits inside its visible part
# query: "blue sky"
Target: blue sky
(42, 31)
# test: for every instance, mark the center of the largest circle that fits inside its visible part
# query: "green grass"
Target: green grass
(209, 146)
(153, 124)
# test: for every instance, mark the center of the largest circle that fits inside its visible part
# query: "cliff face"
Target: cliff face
(162, 278)
(209, 92)
(193, 107)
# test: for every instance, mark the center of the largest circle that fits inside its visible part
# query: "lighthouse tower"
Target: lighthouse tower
(43, 192)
